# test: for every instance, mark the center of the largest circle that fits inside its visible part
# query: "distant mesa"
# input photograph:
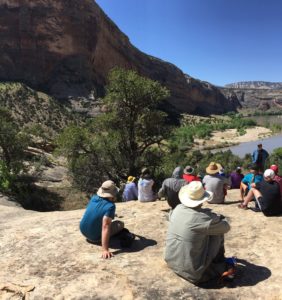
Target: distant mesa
(255, 85)
(261, 95)
(66, 49)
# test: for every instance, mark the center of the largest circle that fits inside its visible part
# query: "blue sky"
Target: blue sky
(220, 41)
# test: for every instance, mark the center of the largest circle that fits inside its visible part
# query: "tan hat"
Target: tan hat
(130, 179)
(213, 168)
(193, 194)
(108, 189)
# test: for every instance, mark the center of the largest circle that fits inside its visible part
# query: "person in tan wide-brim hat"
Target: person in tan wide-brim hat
(213, 168)
(215, 183)
(195, 238)
(96, 224)
(108, 190)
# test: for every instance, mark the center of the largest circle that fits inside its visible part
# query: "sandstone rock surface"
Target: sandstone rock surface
(66, 48)
(47, 251)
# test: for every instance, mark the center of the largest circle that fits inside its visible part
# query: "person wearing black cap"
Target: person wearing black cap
(259, 157)
(189, 174)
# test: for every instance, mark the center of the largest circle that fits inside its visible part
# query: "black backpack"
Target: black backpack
(126, 238)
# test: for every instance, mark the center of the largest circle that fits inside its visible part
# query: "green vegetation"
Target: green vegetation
(132, 133)
(29, 107)
(183, 136)
(12, 146)
(124, 139)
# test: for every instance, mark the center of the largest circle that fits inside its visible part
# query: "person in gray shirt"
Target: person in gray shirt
(215, 183)
(195, 238)
(171, 187)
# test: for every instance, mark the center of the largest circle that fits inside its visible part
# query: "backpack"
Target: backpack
(126, 238)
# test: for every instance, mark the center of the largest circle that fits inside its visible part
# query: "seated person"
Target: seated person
(96, 223)
(171, 187)
(145, 187)
(236, 178)
(215, 183)
(277, 177)
(252, 177)
(189, 174)
(195, 238)
(130, 190)
(267, 195)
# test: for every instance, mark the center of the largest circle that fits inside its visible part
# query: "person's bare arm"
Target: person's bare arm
(106, 233)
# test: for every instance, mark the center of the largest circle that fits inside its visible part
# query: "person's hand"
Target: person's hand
(107, 254)
(253, 185)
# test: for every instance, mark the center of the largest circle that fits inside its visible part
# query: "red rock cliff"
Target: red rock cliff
(66, 48)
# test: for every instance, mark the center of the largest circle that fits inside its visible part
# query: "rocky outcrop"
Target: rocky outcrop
(66, 48)
(44, 256)
(256, 98)
(255, 85)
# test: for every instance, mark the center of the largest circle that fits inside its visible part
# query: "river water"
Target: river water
(269, 144)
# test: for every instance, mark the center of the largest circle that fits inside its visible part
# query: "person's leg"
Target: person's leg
(253, 193)
(258, 196)
(116, 227)
(243, 189)
(217, 265)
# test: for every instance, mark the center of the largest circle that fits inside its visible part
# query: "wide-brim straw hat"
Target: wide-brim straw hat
(108, 190)
(193, 194)
(213, 168)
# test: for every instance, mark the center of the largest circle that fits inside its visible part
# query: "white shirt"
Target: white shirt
(145, 192)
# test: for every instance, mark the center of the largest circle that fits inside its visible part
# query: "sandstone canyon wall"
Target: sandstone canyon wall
(66, 48)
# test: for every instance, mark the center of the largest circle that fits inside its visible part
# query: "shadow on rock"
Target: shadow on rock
(247, 274)
(228, 202)
(138, 244)
(38, 198)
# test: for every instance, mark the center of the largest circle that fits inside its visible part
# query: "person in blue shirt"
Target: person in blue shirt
(252, 177)
(130, 190)
(96, 224)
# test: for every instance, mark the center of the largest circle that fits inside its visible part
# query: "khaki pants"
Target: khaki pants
(116, 227)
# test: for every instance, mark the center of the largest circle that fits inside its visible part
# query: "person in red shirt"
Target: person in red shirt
(277, 178)
(189, 175)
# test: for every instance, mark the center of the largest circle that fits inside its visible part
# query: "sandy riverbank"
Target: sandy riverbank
(231, 137)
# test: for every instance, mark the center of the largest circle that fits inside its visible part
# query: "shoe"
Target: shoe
(228, 275)
(243, 206)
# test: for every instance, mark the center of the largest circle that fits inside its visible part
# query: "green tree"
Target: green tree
(12, 146)
(126, 137)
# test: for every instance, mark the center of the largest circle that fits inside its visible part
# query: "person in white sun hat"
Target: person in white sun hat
(267, 195)
(195, 238)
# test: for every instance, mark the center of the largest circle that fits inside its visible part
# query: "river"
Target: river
(269, 144)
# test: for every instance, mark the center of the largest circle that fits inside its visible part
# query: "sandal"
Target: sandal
(243, 206)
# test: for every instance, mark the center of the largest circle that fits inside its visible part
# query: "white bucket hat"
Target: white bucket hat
(193, 194)
(108, 189)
